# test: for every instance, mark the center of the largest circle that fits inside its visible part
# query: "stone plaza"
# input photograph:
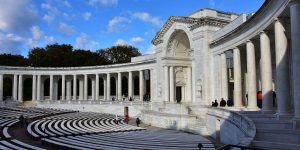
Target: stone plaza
(198, 59)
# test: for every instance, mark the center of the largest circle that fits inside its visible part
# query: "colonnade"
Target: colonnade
(287, 58)
(69, 93)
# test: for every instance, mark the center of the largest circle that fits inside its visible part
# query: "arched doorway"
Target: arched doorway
(113, 91)
(136, 85)
(46, 88)
(7, 88)
(125, 86)
(27, 89)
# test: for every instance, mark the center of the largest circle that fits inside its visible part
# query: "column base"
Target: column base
(253, 109)
(267, 112)
(296, 123)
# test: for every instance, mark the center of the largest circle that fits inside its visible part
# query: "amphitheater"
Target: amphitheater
(208, 55)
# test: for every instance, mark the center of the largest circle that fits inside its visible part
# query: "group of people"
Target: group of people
(126, 120)
(24, 121)
(223, 103)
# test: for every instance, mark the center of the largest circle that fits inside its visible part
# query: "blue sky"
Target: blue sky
(96, 24)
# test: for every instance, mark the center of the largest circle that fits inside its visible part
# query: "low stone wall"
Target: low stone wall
(97, 106)
(230, 127)
(167, 120)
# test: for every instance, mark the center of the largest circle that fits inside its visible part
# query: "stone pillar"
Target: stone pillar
(167, 89)
(93, 89)
(172, 86)
(104, 89)
(251, 72)
(266, 72)
(85, 87)
(282, 69)
(15, 88)
(1, 87)
(108, 86)
(97, 87)
(141, 85)
(39, 87)
(237, 78)
(34, 88)
(224, 76)
(55, 93)
(75, 87)
(189, 84)
(130, 84)
(20, 90)
(51, 87)
(81, 89)
(295, 37)
(151, 85)
(119, 89)
(63, 87)
(69, 86)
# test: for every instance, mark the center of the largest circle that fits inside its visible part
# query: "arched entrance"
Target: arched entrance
(27, 89)
(125, 86)
(7, 88)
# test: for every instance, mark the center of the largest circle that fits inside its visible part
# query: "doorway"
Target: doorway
(178, 94)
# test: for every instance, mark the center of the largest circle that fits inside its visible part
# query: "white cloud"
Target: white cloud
(84, 42)
(54, 13)
(120, 42)
(11, 43)
(17, 16)
(212, 3)
(66, 30)
(117, 24)
(146, 17)
(87, 16)
(136, 40)
(103, 2)
(67, 4)
(36, 32)
(150, 49)
(49, 40)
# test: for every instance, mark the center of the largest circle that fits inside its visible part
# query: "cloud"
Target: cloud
(136, 40)
(17, 16)
(66, 3)
(103, 2)
(66, 30)
(146, 17)
(117, 24)
(212, 3)
(120, 42)
(87, 16)
(54, 12)
(11, 43)
(36, 32)
(150, 49)
(84, 42)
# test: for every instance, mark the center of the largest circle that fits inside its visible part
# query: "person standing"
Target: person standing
(138, 121)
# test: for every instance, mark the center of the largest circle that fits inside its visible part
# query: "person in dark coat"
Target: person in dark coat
(215, 104)
(229, 102)
(138, 121)
(222, 103)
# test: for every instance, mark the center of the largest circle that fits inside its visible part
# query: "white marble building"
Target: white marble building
(199, 58)
(205, 56)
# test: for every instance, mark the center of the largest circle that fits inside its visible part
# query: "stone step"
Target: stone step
(265, 116)
(272, 124)
(275, 145)
(278, 135)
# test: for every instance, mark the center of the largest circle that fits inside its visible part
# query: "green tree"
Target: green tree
(13, 60)
(119, 54)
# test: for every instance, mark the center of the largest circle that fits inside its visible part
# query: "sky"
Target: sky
(96, 24)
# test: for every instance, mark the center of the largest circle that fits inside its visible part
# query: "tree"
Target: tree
(119, 54)
(13, 60)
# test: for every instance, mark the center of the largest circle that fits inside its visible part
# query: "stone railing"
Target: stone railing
(230, 127)
(93, 102)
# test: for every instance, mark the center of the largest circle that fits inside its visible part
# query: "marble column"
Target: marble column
(34, 90)
(237, 77)
(51, 87)
(108, 86)
(166, 78)
(1, 87)
(104, 88)
(93, 89)
(63, 87)
(130, 84)
(251, 73)
(172, 86)
(282, 69)
(266, 72)
(85, 87)
(295, 37)
(69, 86)
(15, 88)
(189, 84)
(20, 90)
(39, 87)
(81, 89)
(224, 76)
(97, 87)
(119, 93)
(75, 87)
(55, 93)
(141, 85)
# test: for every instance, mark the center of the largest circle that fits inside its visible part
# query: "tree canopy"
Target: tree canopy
(65, 55)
